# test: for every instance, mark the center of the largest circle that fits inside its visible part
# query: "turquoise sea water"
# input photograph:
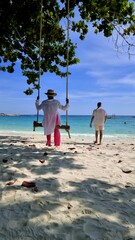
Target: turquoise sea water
(122, 126)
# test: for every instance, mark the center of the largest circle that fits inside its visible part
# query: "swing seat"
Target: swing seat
(65, 127)
(36, 124)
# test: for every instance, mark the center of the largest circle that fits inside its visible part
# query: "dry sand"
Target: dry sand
(82, 191)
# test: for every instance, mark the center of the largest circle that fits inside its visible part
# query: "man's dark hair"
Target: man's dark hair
(99, 104)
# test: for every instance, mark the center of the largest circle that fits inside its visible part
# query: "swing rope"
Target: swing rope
(68, 26)
(36, 123)
(40, 51)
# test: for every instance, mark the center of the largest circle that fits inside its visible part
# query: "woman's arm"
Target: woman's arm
(64, 107)
(38, 106)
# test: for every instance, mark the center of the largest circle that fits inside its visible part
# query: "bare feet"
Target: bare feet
(48, 144)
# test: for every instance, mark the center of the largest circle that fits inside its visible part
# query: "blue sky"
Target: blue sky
(103, 74)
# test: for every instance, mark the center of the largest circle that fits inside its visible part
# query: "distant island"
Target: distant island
(10, 115)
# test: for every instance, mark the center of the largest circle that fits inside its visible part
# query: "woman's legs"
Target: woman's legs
(48, 137)
(57, 138)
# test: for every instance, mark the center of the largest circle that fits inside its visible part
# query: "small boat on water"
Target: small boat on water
(112, 116)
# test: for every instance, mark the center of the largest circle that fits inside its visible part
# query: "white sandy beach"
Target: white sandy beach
(82, 191)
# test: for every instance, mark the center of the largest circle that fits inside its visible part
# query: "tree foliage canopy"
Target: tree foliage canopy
(20, 27)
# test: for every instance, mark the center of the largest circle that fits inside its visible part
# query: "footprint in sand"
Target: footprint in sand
(128, 184)
(87, 211)
(11, 182)
(126, 170)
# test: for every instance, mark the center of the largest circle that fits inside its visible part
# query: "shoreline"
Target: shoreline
(91, 136)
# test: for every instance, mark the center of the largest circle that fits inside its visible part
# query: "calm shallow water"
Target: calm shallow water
(123, 126)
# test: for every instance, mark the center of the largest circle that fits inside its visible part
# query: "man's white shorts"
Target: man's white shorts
(99, 127)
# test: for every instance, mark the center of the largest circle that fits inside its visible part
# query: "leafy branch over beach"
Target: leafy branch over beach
(20, 25)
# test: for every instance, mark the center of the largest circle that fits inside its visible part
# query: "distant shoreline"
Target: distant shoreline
(10, 115)
(70, 115)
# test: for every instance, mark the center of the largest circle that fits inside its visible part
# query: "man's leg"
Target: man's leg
(96, 136)
(101, 136)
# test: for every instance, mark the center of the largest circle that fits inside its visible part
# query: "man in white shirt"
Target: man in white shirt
(51, 117)
(99, 116)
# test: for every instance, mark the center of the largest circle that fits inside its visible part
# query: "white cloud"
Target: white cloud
(106, 58)
(96, 50)
(98, 73)
(84, 95)
(128, 80)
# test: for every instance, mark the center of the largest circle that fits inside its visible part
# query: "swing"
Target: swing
(36, 123)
